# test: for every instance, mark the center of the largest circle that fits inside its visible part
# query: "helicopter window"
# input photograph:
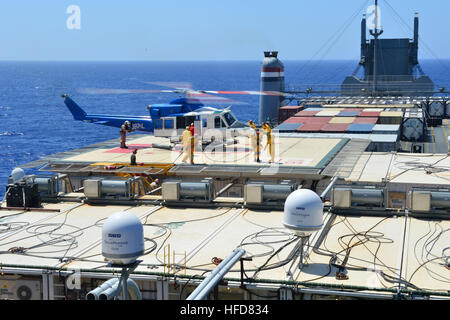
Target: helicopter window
(158, 124)
(168, 124)
(181, 124)
(229, 118)
(218, 122)
(204, 122)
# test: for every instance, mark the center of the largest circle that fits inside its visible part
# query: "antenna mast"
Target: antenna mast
(375, 33)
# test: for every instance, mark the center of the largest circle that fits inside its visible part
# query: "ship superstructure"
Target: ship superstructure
(390, 67)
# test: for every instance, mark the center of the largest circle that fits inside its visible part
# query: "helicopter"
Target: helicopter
(171, 119)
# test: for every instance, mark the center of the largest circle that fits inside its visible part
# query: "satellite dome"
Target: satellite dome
(17, 174)
(122, 238)
(303, 212)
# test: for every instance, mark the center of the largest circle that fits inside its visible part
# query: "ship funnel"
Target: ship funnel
(272, 79)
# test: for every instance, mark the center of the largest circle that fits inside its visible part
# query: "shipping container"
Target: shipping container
(390, 117)
(332, 108)
(386, 129)
(306, 113)
(413, 125)
(436, 109)
(327, 113)
(373, 109)
(294, 120)
(347, 120)
(314, 119)
(314, 109)
(369, 114)
(383, 143)
(311, 127)
(360, 127)
(313, 105)
(354, 109)
(372, 120)
(335, 127)
(288, 127)
(286, 112)
(320, 119)
(345, 113)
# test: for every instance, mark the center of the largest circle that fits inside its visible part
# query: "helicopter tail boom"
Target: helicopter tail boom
(77, 112)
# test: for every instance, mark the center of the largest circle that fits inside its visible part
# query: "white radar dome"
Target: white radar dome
(303, 212)
(122, 238)
(17, 174)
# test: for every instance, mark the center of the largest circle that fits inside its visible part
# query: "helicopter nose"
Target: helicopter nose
(238, 124)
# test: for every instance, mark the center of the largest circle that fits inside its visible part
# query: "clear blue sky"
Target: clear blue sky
(207, 29)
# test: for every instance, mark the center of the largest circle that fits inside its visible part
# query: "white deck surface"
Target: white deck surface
(376, 243)
(402, 168)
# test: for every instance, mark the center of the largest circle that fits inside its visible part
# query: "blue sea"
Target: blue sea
(34, 121)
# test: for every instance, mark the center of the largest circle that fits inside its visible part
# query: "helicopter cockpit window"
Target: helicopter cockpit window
(204, 122)
(229, 118)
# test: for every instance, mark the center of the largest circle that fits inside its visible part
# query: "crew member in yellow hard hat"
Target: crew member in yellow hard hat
(255, 140)
(269, 141)
(186, 138)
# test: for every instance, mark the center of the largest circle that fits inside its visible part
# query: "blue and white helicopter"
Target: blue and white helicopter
(170, 120)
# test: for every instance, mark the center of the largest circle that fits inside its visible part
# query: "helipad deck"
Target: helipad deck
(289, 152)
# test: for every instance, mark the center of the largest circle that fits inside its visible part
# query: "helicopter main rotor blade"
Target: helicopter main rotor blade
(192, 95)
(210, 99)
(189, 88)
(122, 91)
(259, 93)
(173, 85)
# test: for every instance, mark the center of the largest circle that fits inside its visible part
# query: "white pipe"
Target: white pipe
(132, 289)
(216, 275)
(216, 279)
(94, 294)
(330, 185)
(109, 293)
(213, 273)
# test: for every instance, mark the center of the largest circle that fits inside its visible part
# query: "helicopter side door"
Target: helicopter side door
(166, 127)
